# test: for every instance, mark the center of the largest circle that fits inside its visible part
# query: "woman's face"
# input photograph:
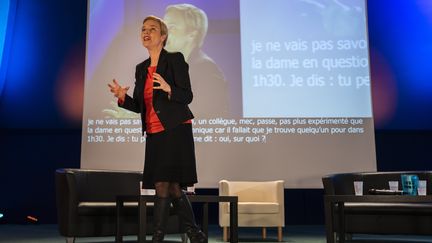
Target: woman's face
(151, 35)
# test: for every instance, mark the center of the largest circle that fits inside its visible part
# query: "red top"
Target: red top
(153, 123)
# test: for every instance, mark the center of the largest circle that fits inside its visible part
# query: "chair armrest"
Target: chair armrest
(66, 201)
(223, 188)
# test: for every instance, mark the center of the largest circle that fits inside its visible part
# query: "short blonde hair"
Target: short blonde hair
(163, 26)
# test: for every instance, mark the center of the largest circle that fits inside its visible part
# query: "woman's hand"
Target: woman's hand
(163, 85)
(118, 90)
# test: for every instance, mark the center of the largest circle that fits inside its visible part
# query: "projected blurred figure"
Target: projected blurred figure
(162, 93)
(187, 27)
(339, 19)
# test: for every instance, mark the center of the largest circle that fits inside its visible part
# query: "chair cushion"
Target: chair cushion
(388, 208)
(255, 208)
(109, 208)
(105, 208)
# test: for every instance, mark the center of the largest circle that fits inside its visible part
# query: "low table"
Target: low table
(331, 200)
(206, 199)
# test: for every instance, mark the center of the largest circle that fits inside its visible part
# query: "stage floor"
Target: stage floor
(292, 234)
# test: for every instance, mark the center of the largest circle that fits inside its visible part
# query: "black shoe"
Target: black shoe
(184, 210)
(158, 236)
(160, 218)
(196, 236)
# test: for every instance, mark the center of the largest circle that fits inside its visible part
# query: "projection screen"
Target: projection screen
(281, 87)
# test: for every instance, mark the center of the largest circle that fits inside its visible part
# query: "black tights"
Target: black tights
(168, 189)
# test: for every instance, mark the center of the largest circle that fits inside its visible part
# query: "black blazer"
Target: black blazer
(171, 111)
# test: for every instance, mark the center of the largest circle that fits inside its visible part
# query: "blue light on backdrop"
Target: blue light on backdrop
(7, 17)
(400, 33)
(39, 40)
(412, 42)
(4, 16)
(4, 13)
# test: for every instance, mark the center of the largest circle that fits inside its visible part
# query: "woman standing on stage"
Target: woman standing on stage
(162, 93)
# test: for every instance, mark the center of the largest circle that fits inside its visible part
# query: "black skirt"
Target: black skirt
(170, 157)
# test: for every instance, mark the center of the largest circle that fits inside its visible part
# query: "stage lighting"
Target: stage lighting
(1, 215)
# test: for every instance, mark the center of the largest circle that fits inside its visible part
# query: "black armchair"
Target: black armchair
(86, 203)
(380, 218)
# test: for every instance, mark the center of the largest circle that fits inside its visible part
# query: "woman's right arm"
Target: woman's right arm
(124, 100)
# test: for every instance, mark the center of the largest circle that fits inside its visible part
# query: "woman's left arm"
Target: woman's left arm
(181, 91)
